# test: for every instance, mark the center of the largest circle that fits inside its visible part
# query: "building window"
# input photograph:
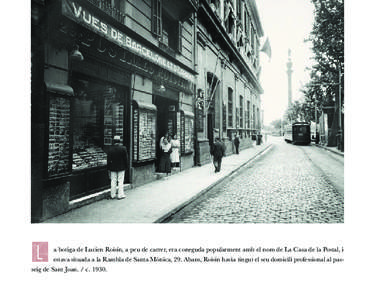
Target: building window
(215, 6)
(224, 116)
(253, 125)
(239, 10)
(229, 19)
(256, 52)
(241, 112)
(247, 23)
(119, 5)
(171, 33)
(248, 115)
(156, 21)
(166, 28)
(114, 8)
(252, 38)
(237, 117)
(230, 108)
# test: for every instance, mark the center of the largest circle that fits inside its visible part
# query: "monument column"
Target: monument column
(289, 72)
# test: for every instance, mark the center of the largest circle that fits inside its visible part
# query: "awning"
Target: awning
(59, 88)
(143, 105)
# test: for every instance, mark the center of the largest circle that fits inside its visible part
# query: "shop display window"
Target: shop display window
(97, 116)
(187, 133)
(58, 141)
(144, 124)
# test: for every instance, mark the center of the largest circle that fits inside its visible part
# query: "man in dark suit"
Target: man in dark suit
(217, 151)
(117, 163)
(237, 143)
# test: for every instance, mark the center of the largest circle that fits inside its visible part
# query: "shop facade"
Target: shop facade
(100, 69)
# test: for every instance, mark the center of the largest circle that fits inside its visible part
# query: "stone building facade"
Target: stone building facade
(228, 87)
(138, 69)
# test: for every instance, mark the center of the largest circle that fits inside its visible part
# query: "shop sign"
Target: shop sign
(84, 17)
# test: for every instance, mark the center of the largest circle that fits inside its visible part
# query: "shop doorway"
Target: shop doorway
(213, 83)
(99, 111)
(166, 122)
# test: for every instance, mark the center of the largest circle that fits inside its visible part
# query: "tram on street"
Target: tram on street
(298, 133)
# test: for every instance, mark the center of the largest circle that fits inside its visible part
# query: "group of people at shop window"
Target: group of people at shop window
(170, 154)
(117, 159)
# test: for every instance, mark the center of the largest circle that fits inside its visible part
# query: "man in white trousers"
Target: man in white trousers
(117, 163)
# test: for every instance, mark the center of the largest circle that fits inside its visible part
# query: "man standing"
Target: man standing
(217, 151)
(117, 163)
(237, 143)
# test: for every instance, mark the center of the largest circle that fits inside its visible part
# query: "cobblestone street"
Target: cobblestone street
(290, 184)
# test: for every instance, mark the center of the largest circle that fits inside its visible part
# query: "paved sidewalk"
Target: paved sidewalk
(331, 149)
(155, 201)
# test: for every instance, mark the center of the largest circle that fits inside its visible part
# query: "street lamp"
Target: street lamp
(76, 54)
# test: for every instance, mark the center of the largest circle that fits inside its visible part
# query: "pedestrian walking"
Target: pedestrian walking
(117, 164)
(165, 159)
(237, 144)
(217, 152)
(175, 155)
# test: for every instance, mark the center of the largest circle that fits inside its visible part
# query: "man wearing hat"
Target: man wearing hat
(217, 151)
(117, 163)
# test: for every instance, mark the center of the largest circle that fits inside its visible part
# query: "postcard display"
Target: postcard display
(113, 117)
(91, 155)
(144, 124)
(187, 133)
(58, 148)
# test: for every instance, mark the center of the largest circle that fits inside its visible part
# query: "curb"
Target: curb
(211, 186)
(330, 150)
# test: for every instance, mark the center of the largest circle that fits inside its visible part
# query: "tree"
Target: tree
(276, 124)
(327, 38)
(300, 111)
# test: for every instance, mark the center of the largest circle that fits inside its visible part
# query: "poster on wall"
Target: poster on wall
(189, 134)
(144, 144)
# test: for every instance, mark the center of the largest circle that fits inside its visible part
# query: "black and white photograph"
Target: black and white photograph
(187, 149)
(226, 111)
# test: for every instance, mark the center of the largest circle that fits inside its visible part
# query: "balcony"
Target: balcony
(181, 9)
(106, 6)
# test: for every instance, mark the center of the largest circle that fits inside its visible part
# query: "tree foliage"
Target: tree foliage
(301, 111)
(327, 39)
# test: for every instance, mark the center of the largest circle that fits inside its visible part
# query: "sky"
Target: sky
(286, 23)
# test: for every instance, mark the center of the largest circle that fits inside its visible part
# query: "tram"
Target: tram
(298, 133)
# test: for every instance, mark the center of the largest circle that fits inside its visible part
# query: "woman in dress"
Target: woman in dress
(165, 160)
(175, 155)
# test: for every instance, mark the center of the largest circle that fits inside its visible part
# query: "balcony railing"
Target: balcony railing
(106, 6)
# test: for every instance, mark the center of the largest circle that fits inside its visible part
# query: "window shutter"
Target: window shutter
(179, 37)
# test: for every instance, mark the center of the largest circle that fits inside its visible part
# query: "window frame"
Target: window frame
(156, 18)
(230, 107)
